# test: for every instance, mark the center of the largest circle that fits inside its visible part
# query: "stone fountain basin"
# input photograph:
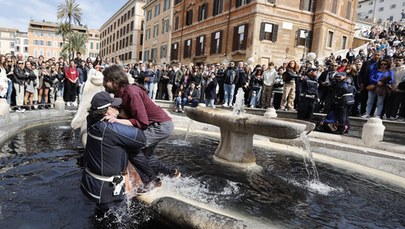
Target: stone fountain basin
(249, 124)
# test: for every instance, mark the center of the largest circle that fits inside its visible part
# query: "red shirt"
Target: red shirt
(72, 74)
(142, 111)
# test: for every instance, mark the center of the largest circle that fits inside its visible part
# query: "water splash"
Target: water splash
(309, 161)
(179, 142)
(239, 105)
(188, 129)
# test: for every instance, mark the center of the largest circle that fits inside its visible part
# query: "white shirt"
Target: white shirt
(269, 76)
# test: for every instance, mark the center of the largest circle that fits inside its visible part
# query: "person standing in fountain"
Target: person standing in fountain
(140, 111)
(309, 95)
(109, 147)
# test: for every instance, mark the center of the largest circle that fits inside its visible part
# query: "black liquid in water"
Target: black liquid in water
(40, 174)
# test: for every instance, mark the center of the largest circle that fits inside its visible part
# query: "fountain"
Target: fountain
(237, 130)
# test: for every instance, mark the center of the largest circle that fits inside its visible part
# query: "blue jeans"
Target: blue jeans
(229, 90)
(178, 102)
(194, 102)
(9, 91)
(149, 88)
(370, 101)
(210, 102)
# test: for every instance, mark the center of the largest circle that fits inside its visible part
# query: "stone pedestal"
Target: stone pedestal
(60, 104)
(5, 110)
(373, 132)
(236, 147)
(270, 113)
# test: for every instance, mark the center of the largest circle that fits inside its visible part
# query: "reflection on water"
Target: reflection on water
(40, 177)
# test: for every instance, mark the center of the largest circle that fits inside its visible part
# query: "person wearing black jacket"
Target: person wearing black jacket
(109, 147)
(344, 99)
(309, 95)
(31, 85)
(170, 77)
(19, 85)
(230, 80)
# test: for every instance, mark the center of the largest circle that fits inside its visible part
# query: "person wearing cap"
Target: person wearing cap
(110, 145)
(343, 101)
(140, 111)
(309, 94)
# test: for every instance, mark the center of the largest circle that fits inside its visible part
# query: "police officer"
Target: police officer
(309, 94)
(343, 102)
(109, 147)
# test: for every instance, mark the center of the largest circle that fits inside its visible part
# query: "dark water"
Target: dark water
(39, 187)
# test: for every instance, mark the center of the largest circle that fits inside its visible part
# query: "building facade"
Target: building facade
(121, 35)
(7, 40)
(382, 10)
(22, 43)
(214, 31)
(157, 32)
(93, 44)
(44, 40)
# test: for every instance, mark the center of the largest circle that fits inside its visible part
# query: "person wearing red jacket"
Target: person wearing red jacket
(71, 81)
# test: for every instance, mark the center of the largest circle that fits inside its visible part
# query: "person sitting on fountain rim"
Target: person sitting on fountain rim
(191, 96)
(140, 111)
(309, 94)
(109, 147)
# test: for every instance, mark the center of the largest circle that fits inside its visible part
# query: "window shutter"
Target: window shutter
(261, 36)
(297, 37)
(235, 38)
(220, 42)
(199, 13)
(212, 45)
(275, 32)
(185, 49)
(203, 49)
(245, 37)
(197, 46)
(238, 3)
(309, 39)
(302, 2)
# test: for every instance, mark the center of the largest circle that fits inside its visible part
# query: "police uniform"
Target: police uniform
(308, 96)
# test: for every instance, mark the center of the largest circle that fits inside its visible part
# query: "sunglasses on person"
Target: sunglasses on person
(20, 63)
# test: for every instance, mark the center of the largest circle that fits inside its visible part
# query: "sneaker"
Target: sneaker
(225, 105)
(365, 116)
(20, 110)
(74, 104)
(177, 110)
(175, 173)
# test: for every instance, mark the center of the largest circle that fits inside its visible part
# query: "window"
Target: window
(268, 31)
(148, 15)
(157, 10)
(381, 0)
(330, 39)
(25, 41)
(303, 37)
(241, 2)
(344, 42)
(97, 46)
(271, 1)
(218, 7)
(177, 2)
(187, 48)
(200, 46)
(147, 35)
(334, 6)
(202, 12)
(189, 17)
(26, 50)
(166, 5)
(306, 5)
(153, 54)
(156, 30)
(240, 37)
(165, 26)
(131, 39)
(174, 55)
(393, 6)
(17, 41)
(17, 48)
(176, 22)
(49, 43)
(370, 3)
(146, 55)
(381, 9)
(348, 10)
(216, 42)
(163, 51)
(370, 11)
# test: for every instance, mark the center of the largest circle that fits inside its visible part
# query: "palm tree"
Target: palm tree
(67, 12)
(63, 29)
(75, 42)
(70, 11)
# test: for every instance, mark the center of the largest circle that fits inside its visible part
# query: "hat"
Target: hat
(310, 69)
(103, 99)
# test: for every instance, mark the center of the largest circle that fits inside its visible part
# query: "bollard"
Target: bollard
(270, 113)
(373, 132)
(5, 110)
